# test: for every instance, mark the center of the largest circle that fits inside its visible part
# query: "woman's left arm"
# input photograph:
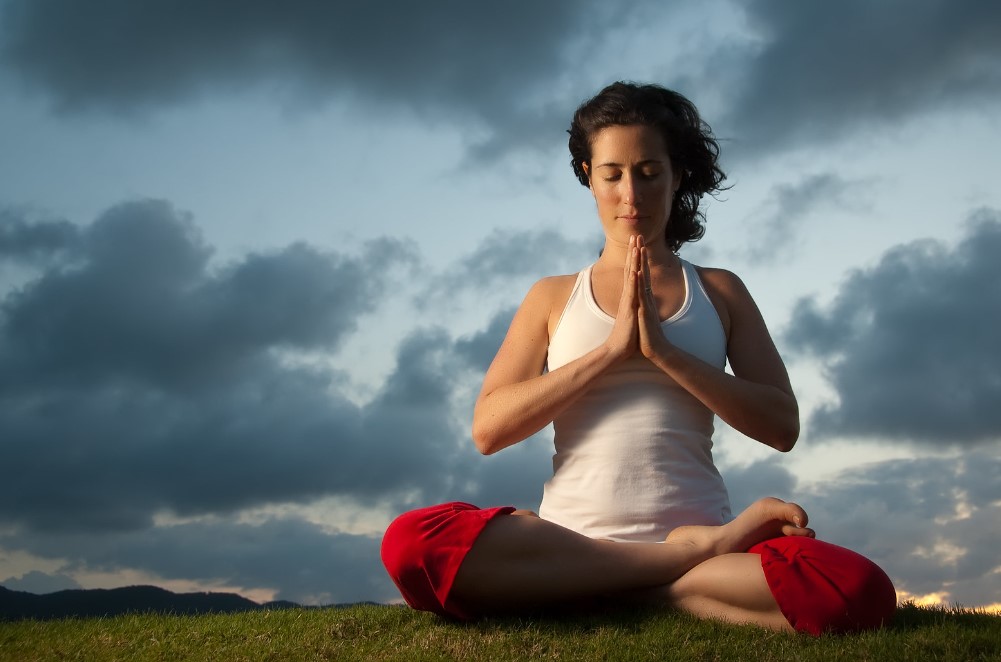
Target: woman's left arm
(757, 400)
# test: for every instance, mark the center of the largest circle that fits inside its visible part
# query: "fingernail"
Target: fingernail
(798, 521)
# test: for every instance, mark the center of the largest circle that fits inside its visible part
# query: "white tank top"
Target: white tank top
(634, 453)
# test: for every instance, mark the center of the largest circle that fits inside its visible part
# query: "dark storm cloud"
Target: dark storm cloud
(511, 257)
(136, 302)
(747, 484)
(297, 558)
(810, 72)
(479, 349)
(39, 583)
(910, 345)
(823, 70)
(489, 62)
(776, 226)
(511, 477)
(928, 522)
(26, 241)
(136, 378)
(442, 370)
(505, 254)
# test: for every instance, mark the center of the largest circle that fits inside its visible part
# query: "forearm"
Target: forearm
(514, 412)
(763, 412)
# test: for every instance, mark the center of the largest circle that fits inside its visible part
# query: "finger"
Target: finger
(791, 530)
(631, 281)
(645, 283)
(649, 304)
(627, 300)
(636, 258)
(630, 276)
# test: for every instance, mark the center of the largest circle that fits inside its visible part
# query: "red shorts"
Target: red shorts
(423, 549)
(821, 587)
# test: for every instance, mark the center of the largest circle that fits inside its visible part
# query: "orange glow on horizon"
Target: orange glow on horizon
(941, 599)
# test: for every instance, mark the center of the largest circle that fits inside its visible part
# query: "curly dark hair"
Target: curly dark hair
(690, 145)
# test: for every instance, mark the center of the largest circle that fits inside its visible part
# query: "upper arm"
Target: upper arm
(522, 354)
(750, 349)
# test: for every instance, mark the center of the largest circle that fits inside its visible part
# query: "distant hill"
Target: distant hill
(16, 605)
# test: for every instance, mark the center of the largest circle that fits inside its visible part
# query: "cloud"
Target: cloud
(510, 73)
(479, 348)
(926, 521)
(511, 256)
(747, 484)
(295, 558)
(487, 63)
(136, 378)
(910, 345)
(816, 72)
(40, 583)
(776, 225)
(141, 382)
(30, 242)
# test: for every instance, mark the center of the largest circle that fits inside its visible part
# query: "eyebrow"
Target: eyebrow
(613, 164)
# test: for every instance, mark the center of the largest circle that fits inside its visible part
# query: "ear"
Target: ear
(587, 171)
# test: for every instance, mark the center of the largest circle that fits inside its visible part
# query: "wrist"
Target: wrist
(660, 351)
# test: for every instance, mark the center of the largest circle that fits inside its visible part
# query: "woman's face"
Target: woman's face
(632, 182)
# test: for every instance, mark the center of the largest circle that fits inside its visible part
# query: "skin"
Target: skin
(523, 562)
(639, 281)
(632, 183)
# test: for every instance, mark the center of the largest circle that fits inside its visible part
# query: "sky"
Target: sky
(255, 258)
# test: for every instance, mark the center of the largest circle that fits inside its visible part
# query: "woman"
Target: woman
(626, 360)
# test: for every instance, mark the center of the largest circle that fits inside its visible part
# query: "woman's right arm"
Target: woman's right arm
(517, 399)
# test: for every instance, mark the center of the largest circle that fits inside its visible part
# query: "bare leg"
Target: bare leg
(731, 588)
(523, 561)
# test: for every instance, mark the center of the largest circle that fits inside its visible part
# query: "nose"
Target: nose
(630, 195)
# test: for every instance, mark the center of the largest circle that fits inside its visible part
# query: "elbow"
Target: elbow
(786, 432)
(486, 442)
(785, 439)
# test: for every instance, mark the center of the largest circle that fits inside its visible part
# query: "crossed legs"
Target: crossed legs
(521, 562)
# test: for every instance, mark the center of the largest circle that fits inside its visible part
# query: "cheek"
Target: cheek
(604, 195)
(604, 205)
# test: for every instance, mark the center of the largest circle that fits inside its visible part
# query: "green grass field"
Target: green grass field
(398, 633)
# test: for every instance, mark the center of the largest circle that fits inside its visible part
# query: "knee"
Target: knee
(869, 598)
(822, 587)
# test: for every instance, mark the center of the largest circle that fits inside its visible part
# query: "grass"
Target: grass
(397, 633)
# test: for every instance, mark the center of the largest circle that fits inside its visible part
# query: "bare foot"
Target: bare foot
(765, 518)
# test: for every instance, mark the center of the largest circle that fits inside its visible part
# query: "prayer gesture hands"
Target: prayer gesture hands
(637, 320)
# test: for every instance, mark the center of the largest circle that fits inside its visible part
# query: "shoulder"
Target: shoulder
(553, 287)
(547, 298)
(524, 347)
(727, 292)
(722, 282)
(549, 292)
